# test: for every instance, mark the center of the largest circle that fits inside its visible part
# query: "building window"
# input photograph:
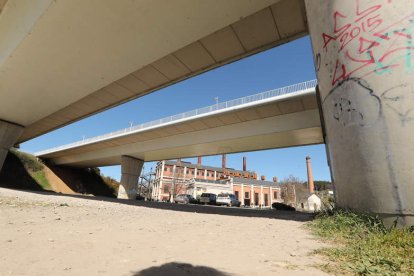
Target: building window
(275, 194)
(165, 169)
(236, 194)
(166, 190)
(246, 195)
(256, 198)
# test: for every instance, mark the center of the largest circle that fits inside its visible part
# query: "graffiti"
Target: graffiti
(318, 61)
(368, 43)
(399, 100)
(345, 113)
(346, 107)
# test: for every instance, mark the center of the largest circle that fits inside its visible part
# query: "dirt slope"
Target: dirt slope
(24, 171)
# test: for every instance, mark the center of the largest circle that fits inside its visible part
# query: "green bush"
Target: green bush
(29, 161)
(40, 178)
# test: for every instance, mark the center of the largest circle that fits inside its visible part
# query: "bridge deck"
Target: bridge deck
(279, 118)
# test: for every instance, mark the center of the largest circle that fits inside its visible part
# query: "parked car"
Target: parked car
(227, 199)
(282, 206)
(208, 198)
(185, 198)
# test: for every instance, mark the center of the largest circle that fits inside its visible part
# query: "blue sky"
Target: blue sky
(284, 65)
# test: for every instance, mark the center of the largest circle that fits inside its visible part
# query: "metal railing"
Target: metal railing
(193, 113)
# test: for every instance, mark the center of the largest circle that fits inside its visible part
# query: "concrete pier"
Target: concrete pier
(131, 170)
(9, 133)
(363, 53)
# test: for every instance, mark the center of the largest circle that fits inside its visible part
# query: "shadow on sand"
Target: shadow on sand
(178, 269)
(203, 209)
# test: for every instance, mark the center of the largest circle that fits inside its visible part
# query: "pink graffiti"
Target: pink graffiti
(367, 43)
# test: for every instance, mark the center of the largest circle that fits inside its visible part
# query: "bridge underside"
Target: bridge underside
(65, 60)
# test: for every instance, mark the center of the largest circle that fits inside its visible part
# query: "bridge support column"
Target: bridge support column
(8, 136)
(131, 170)
(364, 58)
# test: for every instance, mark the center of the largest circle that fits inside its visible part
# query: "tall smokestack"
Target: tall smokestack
(223, 161)
(244, 163)
(199, 161)
(263, 178)
(311, 186)
(275, 179)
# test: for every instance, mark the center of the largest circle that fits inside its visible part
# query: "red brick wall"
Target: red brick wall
(238, 189)
(257, 190)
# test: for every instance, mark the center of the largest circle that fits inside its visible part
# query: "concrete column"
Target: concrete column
(270, 196)
(311, 187)
(242, 194)
(9, 133)
(131, 169)
(261, 196)
(205, 174)
(215, 175)
(173, 182)
(363, 54)
(252, 202)
(160, 187)
(154, 190)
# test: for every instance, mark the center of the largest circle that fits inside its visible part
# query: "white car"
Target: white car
(227, 199)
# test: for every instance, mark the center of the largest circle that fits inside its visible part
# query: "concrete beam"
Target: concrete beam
(9, 133)
(131, 170)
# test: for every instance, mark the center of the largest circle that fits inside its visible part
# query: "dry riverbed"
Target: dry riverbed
(48, 234)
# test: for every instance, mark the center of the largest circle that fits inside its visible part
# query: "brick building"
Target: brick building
(179, 177)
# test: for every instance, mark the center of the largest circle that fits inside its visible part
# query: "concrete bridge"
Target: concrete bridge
(278, 118)
(61, 61)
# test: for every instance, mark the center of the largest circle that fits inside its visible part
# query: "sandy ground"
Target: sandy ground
(47, 234)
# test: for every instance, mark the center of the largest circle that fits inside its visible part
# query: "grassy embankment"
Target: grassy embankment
(34, 168)
(24, 171)
(362, 245)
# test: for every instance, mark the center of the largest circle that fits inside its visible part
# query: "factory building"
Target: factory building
(179, 177)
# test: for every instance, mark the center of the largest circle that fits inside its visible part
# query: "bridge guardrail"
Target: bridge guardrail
(196, 112)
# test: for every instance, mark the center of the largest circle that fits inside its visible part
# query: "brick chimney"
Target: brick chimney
(263, 178)
(275, 179)
(244, 163)
(199, 161)
(311, 186)
(223, 161)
